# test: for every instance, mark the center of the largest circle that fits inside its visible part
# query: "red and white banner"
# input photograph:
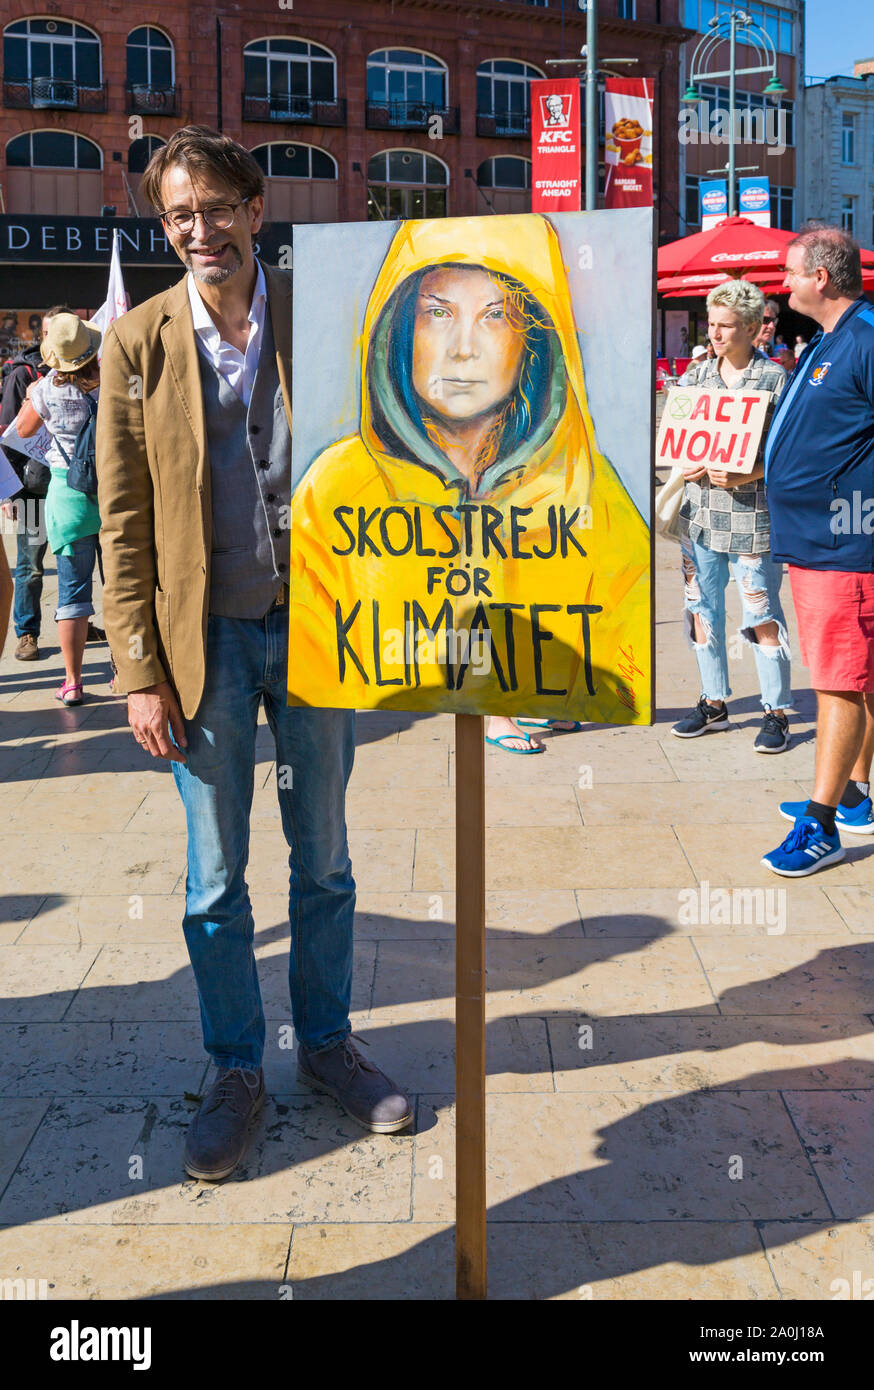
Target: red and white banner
(555, 145)
(628, 122)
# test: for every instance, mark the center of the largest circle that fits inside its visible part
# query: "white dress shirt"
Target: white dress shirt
(237, 368)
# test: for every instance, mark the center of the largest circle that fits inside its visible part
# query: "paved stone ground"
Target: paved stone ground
(713, 1142)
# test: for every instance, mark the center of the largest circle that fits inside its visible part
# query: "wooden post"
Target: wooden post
(470, 1011)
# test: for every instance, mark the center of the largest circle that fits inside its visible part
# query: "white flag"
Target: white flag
(115, 303)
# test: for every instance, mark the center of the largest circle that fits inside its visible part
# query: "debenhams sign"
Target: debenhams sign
(88, 240)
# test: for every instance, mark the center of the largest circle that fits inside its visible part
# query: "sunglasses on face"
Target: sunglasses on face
(767, 320)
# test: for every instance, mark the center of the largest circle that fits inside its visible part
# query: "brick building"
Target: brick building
(357, 109)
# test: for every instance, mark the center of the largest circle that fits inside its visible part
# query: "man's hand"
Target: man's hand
(149, 711)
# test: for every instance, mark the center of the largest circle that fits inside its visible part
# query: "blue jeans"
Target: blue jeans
(758, 578)
(75, 573)
(246, 660)
(32, 546)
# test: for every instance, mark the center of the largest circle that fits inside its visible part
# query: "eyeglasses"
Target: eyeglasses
(767, 320)
(219, 216)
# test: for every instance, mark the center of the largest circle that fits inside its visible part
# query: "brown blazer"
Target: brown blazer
(153, 488)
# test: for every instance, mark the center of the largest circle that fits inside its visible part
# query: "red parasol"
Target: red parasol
(737, 248)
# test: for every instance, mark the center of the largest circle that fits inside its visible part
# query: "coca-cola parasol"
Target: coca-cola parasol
(735, 248)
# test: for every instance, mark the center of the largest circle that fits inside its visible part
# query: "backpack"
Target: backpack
(82, 467)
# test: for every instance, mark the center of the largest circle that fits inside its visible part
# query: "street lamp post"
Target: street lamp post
(592, 105)
(589, 57)
(724, 27)
(732, 84)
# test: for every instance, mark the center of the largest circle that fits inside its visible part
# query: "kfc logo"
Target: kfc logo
(556, 109)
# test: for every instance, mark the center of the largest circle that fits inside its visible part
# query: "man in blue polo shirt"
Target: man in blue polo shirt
(819, 475)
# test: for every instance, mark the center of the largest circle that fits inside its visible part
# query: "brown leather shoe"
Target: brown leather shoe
(27, 649)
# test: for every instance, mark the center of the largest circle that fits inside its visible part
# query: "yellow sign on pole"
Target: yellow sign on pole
(466, 545)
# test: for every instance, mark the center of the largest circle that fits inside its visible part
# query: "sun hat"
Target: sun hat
(69, 343)
(699, 351)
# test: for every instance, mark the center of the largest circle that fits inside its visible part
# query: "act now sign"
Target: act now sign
(706, 427)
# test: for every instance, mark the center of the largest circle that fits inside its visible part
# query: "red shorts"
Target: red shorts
(835, 613)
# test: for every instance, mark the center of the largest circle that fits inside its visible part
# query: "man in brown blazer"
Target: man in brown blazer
(194, 483)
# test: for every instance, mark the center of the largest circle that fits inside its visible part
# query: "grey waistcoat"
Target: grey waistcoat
(250, 471)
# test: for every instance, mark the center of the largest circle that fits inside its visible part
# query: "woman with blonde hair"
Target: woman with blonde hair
(725, 532)
(64, 401)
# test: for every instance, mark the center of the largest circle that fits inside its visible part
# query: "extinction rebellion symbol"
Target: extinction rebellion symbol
(680, 407)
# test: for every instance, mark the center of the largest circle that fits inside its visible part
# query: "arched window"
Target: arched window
(406, 183)
(503, 100)
(139, 152)
(290, 80)
(149, 57)
(405, 89)
(295, 161)
(53, 149)
(52, 63)
(54, 171)
(301, 183)
(150, 72)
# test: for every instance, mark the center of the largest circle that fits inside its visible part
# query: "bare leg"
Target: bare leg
(71, 635)
(840, 731)
(862, 767)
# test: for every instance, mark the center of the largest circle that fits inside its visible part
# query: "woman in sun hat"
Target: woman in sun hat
(59, 401)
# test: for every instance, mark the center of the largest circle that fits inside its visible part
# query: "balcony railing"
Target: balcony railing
(410, 115)
(145, 100)
(503, 123)
(301, 110)
(56, 94)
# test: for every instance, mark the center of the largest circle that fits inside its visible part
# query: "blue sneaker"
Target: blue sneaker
(858, 820)
(806, 848)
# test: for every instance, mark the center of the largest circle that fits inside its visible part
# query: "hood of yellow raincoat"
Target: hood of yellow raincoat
(527, 248)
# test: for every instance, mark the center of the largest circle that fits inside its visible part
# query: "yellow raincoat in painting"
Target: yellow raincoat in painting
(525, 593)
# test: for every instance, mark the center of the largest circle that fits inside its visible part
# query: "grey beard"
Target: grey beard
(220, 274)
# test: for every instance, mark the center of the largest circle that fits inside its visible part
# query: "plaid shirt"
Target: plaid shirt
(732, 519)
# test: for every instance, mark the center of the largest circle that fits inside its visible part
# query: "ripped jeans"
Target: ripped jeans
(758, 578)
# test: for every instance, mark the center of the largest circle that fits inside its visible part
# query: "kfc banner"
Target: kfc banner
(555, 145)
(628, 113)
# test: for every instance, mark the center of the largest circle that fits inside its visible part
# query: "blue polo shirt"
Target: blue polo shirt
(819, 454)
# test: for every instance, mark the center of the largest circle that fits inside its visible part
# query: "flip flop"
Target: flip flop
(523, 752)
(550, 724)
(70, 689)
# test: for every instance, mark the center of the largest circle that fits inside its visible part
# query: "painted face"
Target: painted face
(727, 330)
(468, 344)
(210, 254)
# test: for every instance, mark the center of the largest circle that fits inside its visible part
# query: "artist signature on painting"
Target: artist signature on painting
(628, 669)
